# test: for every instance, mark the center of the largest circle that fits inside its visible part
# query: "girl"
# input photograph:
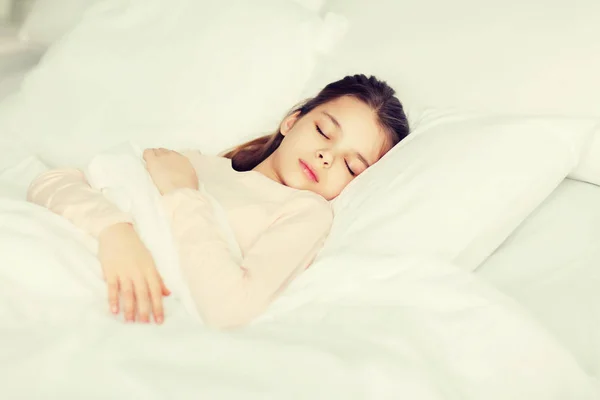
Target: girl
(275, 190)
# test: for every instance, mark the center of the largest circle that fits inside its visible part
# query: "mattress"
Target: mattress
(551, 265)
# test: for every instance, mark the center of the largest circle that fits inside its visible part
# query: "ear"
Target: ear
(288, 123)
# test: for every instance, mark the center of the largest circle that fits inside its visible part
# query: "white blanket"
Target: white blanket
(354, 326)
(122, 177)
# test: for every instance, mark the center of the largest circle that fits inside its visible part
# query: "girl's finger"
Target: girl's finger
(163, 287)
(113, 293)
(128, 298)
(156, 297)
(147, 154)
(142, 299)
(158, 151)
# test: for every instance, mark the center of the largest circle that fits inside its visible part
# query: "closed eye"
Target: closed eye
(321, 132)
(350, 169)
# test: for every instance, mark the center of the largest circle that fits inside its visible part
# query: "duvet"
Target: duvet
(353, 326)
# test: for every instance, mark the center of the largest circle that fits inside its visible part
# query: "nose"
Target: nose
(325, 157)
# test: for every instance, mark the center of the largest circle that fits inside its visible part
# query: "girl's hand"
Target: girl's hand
(129, 269)
(170, 170)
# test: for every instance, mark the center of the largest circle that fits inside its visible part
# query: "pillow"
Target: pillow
(588, 169)
(550, 266)
(15, 180)
(313, 5)
(16, 60)
(457, 186)
(48, 20)
(12, 151)
(179, 74)
(525, 57)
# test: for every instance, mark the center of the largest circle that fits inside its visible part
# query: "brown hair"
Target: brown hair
(375, 93)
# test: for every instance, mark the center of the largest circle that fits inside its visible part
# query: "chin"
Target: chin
(328, 198)
(323, 195)
(292, 182)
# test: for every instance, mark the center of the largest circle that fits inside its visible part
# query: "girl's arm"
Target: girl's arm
(66, 192)
(226, 293)
(127, 264)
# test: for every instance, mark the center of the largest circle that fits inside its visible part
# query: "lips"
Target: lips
(309, 172)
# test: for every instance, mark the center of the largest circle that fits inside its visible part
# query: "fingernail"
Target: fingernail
(159, 319)
(114, 309)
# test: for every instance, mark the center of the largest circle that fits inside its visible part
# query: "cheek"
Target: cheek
(286, 150)
(292, 143)
(337, 182)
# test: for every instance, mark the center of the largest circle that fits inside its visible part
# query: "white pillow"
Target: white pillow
(457, 186)
(48, 20)
(15, 180)
(179, 74)
(523, 57)
(313, 5)
(588, 169)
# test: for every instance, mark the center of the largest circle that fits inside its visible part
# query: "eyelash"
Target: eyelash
(327, 137)
(321, 132)
(350, 170)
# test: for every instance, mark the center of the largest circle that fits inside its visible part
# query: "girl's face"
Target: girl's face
(327, 148)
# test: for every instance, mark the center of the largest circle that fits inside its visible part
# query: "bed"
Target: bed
(550, 265)
(463, 265)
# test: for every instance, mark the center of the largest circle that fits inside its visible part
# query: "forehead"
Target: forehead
(359, 126)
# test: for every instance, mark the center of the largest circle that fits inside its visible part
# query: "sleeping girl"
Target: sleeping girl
(275, 191)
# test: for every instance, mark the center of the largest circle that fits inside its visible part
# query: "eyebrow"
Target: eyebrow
(364, 161)
(335, 121)
(337, 124)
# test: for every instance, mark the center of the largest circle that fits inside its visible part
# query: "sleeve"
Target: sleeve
(66, 192)
(227, 294)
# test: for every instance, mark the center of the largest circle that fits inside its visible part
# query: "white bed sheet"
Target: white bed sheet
(551, 265)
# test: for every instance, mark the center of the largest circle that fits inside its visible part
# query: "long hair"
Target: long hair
(377, 94)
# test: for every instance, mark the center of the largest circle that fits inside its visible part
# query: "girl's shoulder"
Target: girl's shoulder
(201, 161)
(307, 204)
